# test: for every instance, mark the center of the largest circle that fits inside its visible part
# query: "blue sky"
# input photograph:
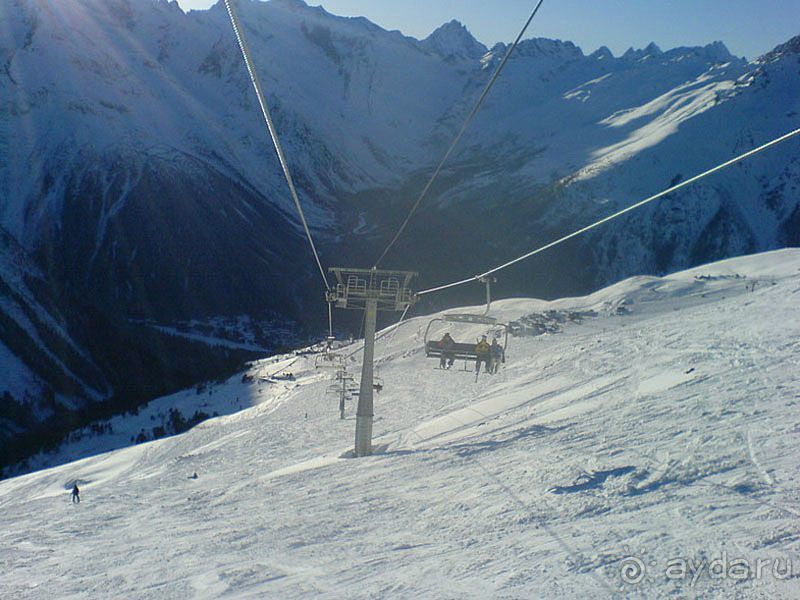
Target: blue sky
(748, 27)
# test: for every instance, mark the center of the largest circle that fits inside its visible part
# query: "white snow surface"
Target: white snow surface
(662, 429)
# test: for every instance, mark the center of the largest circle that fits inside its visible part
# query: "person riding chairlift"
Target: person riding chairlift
(447, 344)
(497, 355)
(483, 352)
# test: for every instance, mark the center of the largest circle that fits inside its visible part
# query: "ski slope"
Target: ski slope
(657, 429)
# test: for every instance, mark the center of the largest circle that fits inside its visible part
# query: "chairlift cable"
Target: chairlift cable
(455, 141)
(237, 30)
(652, 198)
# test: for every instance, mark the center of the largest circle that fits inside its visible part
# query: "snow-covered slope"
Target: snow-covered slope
(654, 426)
(136, 173)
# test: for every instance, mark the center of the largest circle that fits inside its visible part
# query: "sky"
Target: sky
(747, 27)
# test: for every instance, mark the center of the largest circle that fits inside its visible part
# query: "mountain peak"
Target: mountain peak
(717, 51)
(290, 4)
(539, 47)
(650, 51)
(453, 41)
(602, 53)
(792, 46)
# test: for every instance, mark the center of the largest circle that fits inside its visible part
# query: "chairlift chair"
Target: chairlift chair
(336, 391)
(463, 350)
(329, 360)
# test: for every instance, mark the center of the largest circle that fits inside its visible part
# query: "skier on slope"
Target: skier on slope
(76, 494)
(483, 350)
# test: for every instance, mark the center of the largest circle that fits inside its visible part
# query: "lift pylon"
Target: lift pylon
(369, 290)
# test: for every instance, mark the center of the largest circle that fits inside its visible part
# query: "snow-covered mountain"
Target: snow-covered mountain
(453, 42)
(46, 372)
(136, 134)
(139, 181)
(63, 365)
(646, 445)
(137, 177)
(565, 139)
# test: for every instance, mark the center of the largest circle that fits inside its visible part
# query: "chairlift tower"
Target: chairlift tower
(345, 380)
(369, 290)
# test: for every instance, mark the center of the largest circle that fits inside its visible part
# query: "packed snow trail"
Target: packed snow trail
(659, 424)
